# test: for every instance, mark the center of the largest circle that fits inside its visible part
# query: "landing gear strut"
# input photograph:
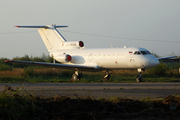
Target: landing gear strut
(139, 79)
(106, 76)
(76, 76)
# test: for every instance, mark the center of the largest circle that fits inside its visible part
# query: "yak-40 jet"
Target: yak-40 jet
(73, 55)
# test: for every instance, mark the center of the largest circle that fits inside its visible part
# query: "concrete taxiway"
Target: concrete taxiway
(99, 90)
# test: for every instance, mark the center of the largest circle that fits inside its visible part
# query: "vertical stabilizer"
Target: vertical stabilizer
(50, 35)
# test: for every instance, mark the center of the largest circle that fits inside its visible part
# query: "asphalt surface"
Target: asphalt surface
(99, 90)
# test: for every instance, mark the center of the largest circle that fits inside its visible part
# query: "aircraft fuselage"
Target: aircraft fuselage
(110, 58)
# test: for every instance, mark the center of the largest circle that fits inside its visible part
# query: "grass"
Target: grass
(15, 79)
(162, 73)
(55, 76)
(19, 104)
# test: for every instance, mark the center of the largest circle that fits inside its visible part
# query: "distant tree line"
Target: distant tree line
(43, 58)
(9, 66)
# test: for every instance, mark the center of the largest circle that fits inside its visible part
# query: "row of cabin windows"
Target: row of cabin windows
(135, 53)
(106, 55)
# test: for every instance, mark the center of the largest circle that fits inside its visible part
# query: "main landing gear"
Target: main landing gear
(106, 76)
(76, 76)
(139, 79)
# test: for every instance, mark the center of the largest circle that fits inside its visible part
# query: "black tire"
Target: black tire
(105, 79)
(138, 79)
(74, 77)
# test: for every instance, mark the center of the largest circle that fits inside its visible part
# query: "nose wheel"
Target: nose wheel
(139, 79)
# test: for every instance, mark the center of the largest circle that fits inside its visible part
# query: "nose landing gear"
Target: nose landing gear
(139, 79)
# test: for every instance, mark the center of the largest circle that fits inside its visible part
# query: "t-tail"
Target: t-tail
(53, 39)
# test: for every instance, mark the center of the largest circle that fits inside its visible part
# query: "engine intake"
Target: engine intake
(81, 44)
(63, 58)
(68, 58)
(67, 45)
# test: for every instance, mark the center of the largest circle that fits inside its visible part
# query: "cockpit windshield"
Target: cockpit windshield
(141, 53)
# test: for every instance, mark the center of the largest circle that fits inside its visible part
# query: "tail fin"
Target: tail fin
(50, 35)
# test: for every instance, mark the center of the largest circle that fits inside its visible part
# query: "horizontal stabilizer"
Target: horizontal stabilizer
(45, 26)
(50, 35)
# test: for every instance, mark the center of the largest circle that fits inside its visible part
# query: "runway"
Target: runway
(99, 90)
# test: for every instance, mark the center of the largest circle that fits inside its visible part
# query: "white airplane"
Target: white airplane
(73, 55)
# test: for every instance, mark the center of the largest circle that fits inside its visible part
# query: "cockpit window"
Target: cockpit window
(148, 52)
(137, 53)
(141, 52)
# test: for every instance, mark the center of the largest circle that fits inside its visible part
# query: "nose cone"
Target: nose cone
(153, 62)
(150, 62)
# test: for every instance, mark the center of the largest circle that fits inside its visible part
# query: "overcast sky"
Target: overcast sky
(150, 24)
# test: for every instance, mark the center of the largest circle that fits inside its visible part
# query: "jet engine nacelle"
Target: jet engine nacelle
(77, 44)
(63, 58)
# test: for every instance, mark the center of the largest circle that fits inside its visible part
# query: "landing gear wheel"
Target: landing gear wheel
(106, 76)
(74, 77)
(139, 79)
(105, 79)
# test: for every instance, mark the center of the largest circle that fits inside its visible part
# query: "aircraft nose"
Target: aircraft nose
(151, 62)
(154, 62)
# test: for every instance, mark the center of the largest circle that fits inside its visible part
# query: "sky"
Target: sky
(150, 24)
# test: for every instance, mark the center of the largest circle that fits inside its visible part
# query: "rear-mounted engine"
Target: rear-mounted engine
(63, 58)
(78, 44)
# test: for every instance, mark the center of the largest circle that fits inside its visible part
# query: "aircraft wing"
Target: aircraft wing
(87, 67)
(166, 57)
